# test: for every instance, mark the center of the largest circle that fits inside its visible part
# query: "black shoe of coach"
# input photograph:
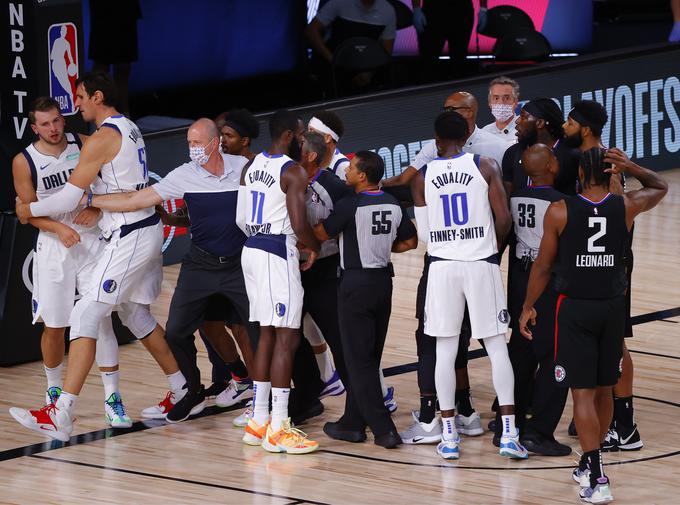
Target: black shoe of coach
(300, 415)
(338, 431)
(389, 440)
(191, 404)
(538, 444)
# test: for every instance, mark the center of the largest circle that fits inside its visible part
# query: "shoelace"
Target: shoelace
(168, 398)
(117, 406)
(49, 408)
(297, 435)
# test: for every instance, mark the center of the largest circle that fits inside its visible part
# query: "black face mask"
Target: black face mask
(295, 150)
(574, 140)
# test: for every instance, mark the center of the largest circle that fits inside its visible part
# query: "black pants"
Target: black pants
(221, 310)
(201, 276)
(321, 302)
(365, 304)
(533, 361)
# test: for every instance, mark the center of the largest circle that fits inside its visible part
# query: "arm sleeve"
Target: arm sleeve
(329, 12)
(171, 186)
(426, 155)
(241, 209)
(340, 216)
(64, 200)
(422, 221)
(406, 230)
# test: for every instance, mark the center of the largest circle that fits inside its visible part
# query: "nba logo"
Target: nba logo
(62, 51)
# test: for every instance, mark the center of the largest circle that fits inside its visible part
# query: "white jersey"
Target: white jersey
(50, 173)
(127, 172)
(458, 209)
(339, 164)
(266, 211)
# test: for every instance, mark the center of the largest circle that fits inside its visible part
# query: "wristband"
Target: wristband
(89, 199)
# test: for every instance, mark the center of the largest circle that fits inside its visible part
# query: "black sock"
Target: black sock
(238, 369)
(427, 406)
(583, 464)
(463, 402)
(623, 413)
(594, 459)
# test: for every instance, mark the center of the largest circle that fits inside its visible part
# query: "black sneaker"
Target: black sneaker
(538, 444)
(189, 405)
(215, 389)
(572, 429)
(338, 431)
(622, 439)
(389, 440)
(300, 415)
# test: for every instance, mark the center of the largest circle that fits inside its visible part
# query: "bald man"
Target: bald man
(532, 361)
(209, 184)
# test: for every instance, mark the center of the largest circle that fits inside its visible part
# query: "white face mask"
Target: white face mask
(198, 155)
(502, 111)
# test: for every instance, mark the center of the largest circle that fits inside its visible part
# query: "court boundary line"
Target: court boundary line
(177, 479)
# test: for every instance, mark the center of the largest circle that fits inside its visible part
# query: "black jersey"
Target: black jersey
(592, 248)
(528, 207)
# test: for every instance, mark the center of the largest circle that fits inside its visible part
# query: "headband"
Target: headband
(238, 128)
(580, 118)
(318, 125)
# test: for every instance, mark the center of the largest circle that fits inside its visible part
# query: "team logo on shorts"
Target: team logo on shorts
(280, 309)
(62, 49)
(109, 285)
(560, 373)
(504, 316)
(315, 197)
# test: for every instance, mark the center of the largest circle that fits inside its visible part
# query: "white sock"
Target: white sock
(67, 402)
(325, 363)
(383, 386)
(448, 428)
(261, 401)
(509, 425)
(110, 380)
(54, 375)
(176, 381)
(279, 407)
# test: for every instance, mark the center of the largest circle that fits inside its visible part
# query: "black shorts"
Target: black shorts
(221, 309)
(588, 341)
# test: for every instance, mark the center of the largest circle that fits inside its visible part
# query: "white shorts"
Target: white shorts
(128, 269)
(58, 272)
(450, 284)
(271, 269)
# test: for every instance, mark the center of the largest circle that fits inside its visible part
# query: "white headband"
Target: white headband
(318, 125)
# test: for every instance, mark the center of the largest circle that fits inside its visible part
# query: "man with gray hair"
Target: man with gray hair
(209, 185)
(503, 100)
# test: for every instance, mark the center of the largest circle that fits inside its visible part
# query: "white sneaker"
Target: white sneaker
(242, 420)
(449, 449)
(601, 493)
(234, 393)
(49, 421)
(114, 411)
(470, 426)
(422, 433)
(161, 410)
(581, 476)
(511, 448)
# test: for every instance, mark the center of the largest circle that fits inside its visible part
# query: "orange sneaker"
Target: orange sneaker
(254, 433)
(288, 439)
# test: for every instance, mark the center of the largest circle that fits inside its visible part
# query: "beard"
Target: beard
(528, 137)
(574, 140)
(295, 150)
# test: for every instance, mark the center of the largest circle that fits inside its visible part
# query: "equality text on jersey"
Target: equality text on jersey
(445, 178)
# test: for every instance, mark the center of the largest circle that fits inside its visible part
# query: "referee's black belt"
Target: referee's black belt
(212, 258)
(389, 269)
(144, 223)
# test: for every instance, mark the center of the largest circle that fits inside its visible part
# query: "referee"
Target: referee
(209, 185)
(371, 225)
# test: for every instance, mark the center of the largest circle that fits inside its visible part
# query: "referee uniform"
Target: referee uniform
(368, 225)
(213, 264)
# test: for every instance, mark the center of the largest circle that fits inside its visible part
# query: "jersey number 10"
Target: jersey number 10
(455, 206)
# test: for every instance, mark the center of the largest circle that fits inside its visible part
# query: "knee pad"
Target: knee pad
(137, 318)
(107, 345)
(86, 318)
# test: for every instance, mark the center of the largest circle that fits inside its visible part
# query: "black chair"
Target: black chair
(522, 46)
(505, 20)
(358, 54)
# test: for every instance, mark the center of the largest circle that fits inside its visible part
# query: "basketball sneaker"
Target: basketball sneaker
(288, 439)
(114, 410)
(49, 420)
(469, 425)
(254, 433)
(389, 400)
(242, 420)
(582, 477)
(52, 395)
(214, 389)
(192, 403)
(422, 433)
(449, 449)
(511, 447)
(236, 391)
(333, 387)
(601, 493)
(161, 410)
(618, 440)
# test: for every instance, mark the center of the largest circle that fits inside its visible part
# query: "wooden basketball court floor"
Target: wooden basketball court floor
(204, 461)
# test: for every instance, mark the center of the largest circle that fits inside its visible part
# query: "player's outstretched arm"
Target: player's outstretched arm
(127, 202)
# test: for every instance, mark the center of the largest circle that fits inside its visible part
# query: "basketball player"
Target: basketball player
(128, 270)
(272, 212)
(371, 225)
(583, 129)
(532, 361)
(329, 124)
(64, 255)
(455, 196)
(587, 235)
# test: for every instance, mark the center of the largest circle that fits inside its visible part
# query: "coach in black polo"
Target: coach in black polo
(209, 185)
(371, 226)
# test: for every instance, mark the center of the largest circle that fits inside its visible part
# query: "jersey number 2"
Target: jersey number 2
(381, 223)
(601, 224)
